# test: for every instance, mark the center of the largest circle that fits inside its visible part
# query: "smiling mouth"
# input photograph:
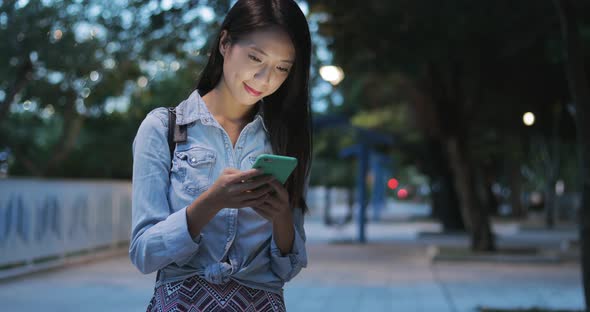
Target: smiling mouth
(251, 91)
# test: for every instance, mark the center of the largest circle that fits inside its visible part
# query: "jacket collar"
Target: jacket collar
(194, 108)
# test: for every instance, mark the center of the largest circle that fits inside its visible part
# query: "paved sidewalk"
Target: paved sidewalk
(399, 277)
(392, 273)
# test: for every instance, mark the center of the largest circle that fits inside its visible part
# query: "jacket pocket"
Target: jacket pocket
(195, 167)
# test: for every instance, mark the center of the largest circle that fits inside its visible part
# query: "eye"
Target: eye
(254, 58)
(283, 69)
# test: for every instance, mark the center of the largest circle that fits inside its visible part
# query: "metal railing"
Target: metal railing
(48, 223)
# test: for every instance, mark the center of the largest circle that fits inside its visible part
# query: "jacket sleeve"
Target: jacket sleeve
(159, 236)
(289, 265)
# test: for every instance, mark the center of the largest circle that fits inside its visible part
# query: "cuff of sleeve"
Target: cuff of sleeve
(178, 238)
(286, 266)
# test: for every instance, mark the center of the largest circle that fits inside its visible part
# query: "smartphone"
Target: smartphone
(279, 166)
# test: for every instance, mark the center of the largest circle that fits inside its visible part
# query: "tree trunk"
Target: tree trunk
(445, 204)
(550, 199)
(515, 183)
(580, 91)
(23, 77)
(552, 159)
(327, 206)
(67, 142)
(488, 176)
(71, 129)
(474, 211)
(33, 168)
(449, 105)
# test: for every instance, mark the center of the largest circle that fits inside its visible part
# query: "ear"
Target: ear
(224, 42)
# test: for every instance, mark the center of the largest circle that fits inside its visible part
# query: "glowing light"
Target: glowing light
(80, 107)
(94, 76)
(48, 111)
(166, 5)
(392, 183)
(559, 187)
(27, 105)
(85, 93)
(332, 74)
(207, 14)
(402, 193)
(142, 81)
(528, 118)
(109, 63)
(21, 4)
(57, 34)
(174, 66)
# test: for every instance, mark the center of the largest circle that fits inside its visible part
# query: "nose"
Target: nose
(264, 74)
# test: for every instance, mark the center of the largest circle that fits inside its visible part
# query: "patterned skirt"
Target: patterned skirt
(196, 294)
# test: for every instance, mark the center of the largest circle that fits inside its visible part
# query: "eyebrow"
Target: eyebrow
(253, 47)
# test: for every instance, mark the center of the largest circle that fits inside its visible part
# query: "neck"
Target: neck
(224, 107)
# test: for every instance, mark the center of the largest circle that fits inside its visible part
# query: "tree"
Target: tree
(72, 62)
(580, 93)
(471, 68)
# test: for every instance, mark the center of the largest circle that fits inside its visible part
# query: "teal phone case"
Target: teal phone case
(279, 166)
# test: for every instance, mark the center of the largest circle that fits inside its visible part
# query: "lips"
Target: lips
(251, 91)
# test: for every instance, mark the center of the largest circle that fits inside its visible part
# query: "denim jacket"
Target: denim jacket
(237, 244)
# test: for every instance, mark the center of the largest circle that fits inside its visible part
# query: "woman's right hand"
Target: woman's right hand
(233, 189)
(239, 189)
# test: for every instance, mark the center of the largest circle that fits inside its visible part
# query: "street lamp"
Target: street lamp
(332, 74)
(528, 118)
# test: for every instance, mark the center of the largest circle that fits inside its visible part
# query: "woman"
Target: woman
(221, 235)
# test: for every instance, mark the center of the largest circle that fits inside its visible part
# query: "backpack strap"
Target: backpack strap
(176, 133)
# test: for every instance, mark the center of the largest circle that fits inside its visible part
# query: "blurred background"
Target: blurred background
(450, 168)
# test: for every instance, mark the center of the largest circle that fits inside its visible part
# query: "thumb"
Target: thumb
(230, 170)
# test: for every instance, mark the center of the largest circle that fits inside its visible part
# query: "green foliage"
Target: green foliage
(81, 76)
(431, 69)
(333, 172)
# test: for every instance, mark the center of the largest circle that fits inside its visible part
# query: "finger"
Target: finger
(273, 204)
(255, 193)
(230, 170)
(237, 186)
(264, 208)
(249, 186)
(247, 175)
(278, 187)
(262, 213)
(273, 200)
(254, 201)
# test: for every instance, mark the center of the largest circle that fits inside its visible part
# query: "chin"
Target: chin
(249, 100)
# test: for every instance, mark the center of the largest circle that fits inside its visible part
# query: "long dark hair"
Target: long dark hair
(287, 114)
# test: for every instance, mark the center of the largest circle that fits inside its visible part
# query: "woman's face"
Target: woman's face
(257, 64)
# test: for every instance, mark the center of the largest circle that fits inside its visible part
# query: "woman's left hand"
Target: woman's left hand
(276, 203)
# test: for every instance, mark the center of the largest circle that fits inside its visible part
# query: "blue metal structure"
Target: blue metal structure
(362, 151)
